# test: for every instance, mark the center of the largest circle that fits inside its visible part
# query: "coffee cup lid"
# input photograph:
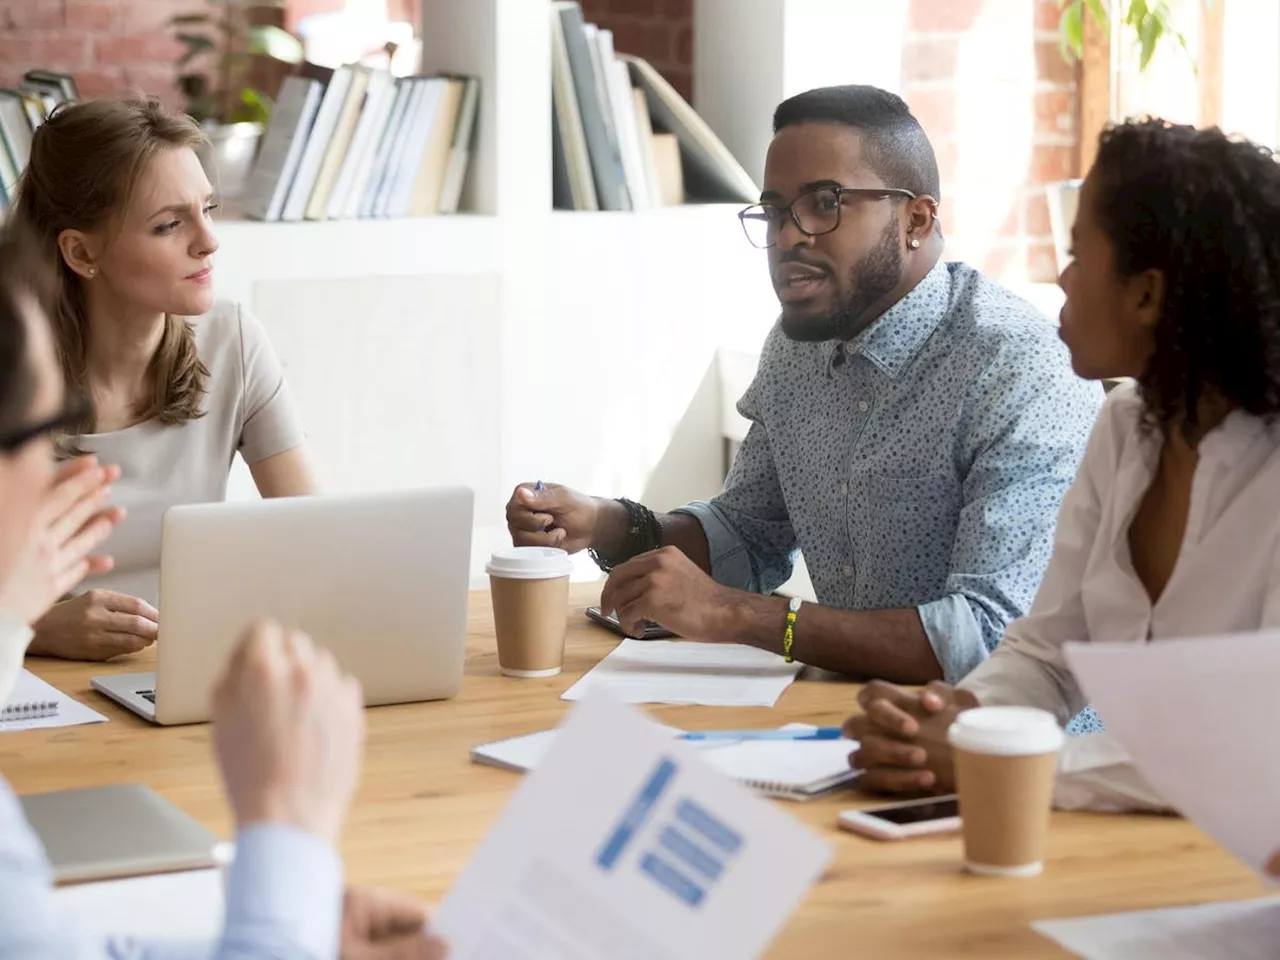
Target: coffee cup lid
(529, 563)
(1006, 731)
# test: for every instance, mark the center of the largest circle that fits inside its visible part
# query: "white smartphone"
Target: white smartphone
(899, 821)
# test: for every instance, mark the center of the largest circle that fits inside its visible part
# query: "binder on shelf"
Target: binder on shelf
(606, 164)
(15, 128)
(428, 181)
(460, 150)
(356, 167)
(318, 140)
(398, 190)
(339, 144)
(573, 138)
(278, 158)
(390, 139)
(644, 138)
(65, 83)
(711, 173)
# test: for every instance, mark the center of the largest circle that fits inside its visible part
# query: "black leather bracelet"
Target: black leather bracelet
(644, 533)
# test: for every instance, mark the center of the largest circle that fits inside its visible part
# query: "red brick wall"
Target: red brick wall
(109, 45)
(1007, 230)
(661, 31)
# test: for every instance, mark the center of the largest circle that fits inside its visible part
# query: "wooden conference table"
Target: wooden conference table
(423, 808)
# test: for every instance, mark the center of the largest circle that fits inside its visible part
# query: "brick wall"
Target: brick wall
(988, 83)
(660, 31)
(109, 45)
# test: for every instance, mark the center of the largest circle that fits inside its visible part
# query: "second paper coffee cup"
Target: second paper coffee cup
(530, 588)
(1006, 759)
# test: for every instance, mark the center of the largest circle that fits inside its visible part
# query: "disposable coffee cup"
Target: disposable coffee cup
(530, 588)
(1005, 762)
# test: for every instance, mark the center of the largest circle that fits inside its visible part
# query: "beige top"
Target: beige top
(247, 409)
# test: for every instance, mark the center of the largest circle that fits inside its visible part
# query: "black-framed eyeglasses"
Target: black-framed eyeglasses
(11, 441)
(815, 212)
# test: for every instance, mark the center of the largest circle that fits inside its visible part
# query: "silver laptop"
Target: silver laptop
(128, 830)
(381, 580)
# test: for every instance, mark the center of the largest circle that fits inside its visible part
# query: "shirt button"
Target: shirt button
(844, 489)
(848, 573)
(863, 406)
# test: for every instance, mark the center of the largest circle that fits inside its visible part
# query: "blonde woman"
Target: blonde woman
(175, 383)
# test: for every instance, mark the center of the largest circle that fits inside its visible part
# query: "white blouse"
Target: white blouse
(1226, 580)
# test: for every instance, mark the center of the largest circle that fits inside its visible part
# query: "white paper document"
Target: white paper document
(681, 671)
(1244, 930)
(183, 906)
(1198, 718)
(624, 844)
(31, 689)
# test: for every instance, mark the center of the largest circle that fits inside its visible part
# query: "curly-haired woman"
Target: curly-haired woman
(1172, 527)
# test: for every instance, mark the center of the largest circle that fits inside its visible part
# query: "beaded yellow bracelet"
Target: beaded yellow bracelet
(790, 635)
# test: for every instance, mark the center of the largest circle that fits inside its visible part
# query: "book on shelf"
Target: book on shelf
(622, 137)
(355, 142)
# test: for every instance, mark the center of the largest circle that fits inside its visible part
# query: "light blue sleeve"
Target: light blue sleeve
(1030, 420)
(748, 529)
(284, 901)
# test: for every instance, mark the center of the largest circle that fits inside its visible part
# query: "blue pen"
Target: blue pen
(821, 733)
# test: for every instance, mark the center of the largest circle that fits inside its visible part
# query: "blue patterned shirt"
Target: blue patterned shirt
(921, 464)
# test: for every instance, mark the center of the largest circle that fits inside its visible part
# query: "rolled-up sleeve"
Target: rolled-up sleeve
(270, 421)
(748, 528)
(1024, 443)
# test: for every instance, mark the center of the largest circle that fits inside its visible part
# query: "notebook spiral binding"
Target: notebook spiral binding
(33, 710)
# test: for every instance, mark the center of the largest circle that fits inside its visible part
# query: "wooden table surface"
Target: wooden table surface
(422, 809)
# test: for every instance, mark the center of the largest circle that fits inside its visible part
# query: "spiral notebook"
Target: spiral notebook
(789, 769)
(34, 704)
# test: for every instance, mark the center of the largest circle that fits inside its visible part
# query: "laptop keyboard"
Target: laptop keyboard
(149, 695)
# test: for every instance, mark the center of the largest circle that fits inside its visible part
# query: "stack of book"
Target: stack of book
(622, 137)
(358, 143)
(21, 112)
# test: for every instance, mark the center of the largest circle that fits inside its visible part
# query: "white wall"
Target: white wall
(750, 55)
(571, 347)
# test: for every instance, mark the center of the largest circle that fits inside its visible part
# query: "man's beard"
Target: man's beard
(871, 280)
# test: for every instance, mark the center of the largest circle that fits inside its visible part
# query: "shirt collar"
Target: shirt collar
(894, 339)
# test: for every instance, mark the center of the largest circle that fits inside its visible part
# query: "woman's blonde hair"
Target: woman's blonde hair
(86, 162)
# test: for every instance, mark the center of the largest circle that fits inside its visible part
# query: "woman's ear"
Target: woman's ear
(78, 253)
(1147, 291)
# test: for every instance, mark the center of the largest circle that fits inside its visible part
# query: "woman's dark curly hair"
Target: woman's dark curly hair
(1204, 210)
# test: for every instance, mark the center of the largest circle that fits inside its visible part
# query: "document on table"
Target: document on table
(184, 906)
(1197, 718)
(1244, 930)
(681, 671)
(624, 844)
(30, 689)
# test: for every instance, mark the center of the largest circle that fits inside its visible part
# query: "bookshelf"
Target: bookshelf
(511, 342)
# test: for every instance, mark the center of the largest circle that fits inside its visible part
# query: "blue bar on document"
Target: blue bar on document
(677, 844)
(695, 816)
(636, 814)
(672, 880)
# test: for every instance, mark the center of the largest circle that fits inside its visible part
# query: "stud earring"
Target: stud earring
(93, 271)
(914, 244)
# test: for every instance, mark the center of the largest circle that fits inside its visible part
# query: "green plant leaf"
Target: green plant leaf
(196, 42)
(275, 43)
(1149, 34)
(1098, 11)
(1071, 30)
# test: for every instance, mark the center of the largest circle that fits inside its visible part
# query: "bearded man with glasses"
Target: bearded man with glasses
(914, 428)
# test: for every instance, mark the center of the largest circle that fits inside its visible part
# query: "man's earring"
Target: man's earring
(914, 244)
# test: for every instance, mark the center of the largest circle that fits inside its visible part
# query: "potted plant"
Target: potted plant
(219, 44)
(1149, 23)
